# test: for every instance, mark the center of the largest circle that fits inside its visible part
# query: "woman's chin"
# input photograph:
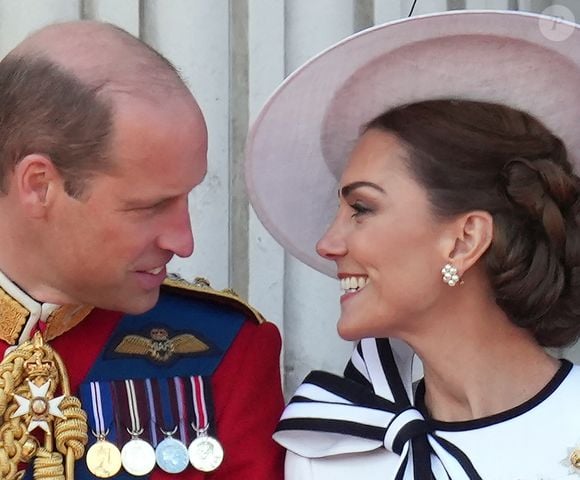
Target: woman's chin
(348, 331)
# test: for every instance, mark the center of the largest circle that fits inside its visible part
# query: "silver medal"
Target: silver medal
(138, 457)
(172, 455)
(205, 453)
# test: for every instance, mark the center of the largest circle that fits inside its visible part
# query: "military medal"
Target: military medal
(205, 452)
(171, 454)
(137, 456)
(103, 457)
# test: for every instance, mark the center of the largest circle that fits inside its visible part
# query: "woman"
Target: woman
(457, 238)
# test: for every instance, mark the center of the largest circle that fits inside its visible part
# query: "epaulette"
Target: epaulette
(201, 288)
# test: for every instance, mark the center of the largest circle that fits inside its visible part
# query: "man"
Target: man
(100, 144)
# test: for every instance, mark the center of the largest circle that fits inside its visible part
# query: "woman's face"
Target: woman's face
(387, 245)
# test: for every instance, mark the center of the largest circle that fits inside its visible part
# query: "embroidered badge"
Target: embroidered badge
(159, 346)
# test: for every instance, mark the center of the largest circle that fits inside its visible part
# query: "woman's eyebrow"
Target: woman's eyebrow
(348, 189)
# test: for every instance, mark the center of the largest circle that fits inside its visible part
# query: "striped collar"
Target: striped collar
(21, 315)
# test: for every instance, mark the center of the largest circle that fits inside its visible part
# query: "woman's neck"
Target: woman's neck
(480, 368)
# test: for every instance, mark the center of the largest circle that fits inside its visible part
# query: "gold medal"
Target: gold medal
(104, 459)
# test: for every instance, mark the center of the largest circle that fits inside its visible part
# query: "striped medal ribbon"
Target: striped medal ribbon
(205, 451)
(137, 455)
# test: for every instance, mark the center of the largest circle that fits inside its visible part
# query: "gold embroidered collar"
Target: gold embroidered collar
(20, 315)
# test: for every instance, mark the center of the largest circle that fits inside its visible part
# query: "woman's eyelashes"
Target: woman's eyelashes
(360, 209)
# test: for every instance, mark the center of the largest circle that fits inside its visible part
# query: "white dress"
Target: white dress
(329, 438)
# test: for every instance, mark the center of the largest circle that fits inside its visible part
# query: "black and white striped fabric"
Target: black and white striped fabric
(370, 408)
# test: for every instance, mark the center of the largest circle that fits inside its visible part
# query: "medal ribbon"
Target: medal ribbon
(165, 397)
(130, 405)
(180, 396)
(101, 411)
(152, 409)
(133, 407)
(371, 408)
(201, 422)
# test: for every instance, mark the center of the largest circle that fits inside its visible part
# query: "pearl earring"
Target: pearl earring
(450, 276)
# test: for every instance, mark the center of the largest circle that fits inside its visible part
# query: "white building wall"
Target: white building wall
(233, 53)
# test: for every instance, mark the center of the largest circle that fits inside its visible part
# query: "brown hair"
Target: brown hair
(65, 110)
(479, 156)
(47, 110)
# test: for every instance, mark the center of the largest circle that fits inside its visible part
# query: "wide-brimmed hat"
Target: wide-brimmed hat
(300, 142)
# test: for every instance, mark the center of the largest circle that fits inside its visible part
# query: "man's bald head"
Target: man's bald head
(102, 55)
(58, 91)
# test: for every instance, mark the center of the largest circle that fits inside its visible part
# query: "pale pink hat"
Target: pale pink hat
(299, 144)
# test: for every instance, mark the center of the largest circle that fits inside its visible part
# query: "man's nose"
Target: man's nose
(177, 235)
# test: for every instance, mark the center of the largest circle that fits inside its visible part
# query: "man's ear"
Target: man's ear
(36, 180)
(473, 233)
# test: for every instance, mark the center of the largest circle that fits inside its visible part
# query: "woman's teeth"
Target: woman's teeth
(155, 271)
(352, 284)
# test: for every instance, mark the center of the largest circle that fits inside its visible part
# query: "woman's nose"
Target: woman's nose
(332, 244)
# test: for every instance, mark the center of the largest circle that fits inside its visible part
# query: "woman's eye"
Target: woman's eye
(359, 209)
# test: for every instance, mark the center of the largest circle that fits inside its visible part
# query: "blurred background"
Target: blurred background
(233, 54)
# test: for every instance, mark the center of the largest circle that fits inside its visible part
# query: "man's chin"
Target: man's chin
(138, 303)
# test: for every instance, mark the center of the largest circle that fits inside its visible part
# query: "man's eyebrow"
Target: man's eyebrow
(348, 189)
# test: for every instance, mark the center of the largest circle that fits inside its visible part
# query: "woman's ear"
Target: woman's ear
(35, 178)
(473, 235)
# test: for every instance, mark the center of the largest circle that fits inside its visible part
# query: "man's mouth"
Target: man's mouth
(155, 271)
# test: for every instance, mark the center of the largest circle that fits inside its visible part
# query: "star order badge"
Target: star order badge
(40, 406)
(36, 389)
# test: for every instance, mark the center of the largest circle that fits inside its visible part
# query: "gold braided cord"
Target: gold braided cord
(13, 432)
(48, 465)
(37, 363)
(8, 373)
(71, 433)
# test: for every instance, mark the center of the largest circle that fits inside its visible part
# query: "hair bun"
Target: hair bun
(544, 190)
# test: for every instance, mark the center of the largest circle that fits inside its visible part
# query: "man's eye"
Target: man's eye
(153, 207)
(359, 209)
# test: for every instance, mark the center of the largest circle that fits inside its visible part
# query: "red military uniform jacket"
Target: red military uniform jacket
(244, 375)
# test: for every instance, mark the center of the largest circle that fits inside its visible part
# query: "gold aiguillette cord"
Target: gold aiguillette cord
(29, 378)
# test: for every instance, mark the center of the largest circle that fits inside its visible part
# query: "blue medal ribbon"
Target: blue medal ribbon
(101, 413)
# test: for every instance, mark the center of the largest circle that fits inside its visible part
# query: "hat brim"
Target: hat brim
(301, 140)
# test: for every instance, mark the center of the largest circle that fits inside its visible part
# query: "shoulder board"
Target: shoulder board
(201, 288)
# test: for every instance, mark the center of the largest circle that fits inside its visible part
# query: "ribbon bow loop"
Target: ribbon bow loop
(370, 408)
(404, 427)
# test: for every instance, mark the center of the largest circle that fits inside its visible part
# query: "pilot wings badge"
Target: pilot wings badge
(160, 346)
